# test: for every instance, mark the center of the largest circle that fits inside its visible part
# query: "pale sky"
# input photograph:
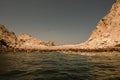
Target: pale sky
(61, 21)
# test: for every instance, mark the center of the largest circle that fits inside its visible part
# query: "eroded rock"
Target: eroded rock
(7, 37)
(107, 32)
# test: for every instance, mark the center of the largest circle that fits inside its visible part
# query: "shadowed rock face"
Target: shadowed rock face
(107, 32)
(9, 38)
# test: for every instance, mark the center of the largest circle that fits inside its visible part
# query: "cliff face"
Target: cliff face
(107, 32)
(7, 38)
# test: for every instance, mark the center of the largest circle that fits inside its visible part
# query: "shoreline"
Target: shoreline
(69, 52)
(51, 49)
(113, 53)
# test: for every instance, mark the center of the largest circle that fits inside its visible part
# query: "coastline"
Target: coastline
(104, 38)
(104, 52)
(57, 48)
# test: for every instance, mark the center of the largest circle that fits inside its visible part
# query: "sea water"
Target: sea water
(58, 66)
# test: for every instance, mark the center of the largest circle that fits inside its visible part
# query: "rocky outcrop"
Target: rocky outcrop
(27, 41)
(7, 38)
(107, 32)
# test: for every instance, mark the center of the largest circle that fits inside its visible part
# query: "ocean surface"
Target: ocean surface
(58, 66)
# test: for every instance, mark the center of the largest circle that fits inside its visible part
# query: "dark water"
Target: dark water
(58, 66)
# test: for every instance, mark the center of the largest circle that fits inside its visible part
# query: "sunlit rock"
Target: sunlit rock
(107, 32)
(27, 41)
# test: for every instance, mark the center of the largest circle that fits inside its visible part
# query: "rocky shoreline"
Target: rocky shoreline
(105, 38)
(22, 42)
(51, 49)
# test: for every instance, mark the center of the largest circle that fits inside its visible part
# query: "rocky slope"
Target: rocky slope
(27, 41)
(7, 38)
(107, 32)
(10, 40)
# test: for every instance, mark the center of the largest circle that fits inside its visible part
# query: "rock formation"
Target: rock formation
(107, 32)
(7, 38)
(105, 36)
(25, 41)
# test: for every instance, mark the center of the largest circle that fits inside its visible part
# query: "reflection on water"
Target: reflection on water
(58, 66)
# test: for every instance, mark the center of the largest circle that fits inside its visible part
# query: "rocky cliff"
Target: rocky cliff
(7, 38)
(25, 41)
(107, 32)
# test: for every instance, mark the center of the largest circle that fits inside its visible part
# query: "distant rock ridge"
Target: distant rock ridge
(107, 32)
(25, 41)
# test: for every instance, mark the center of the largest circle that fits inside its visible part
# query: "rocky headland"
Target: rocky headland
(11, 42)
(107, 32)
(105, 37)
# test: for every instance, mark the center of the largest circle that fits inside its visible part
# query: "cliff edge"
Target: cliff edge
(107, 32)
